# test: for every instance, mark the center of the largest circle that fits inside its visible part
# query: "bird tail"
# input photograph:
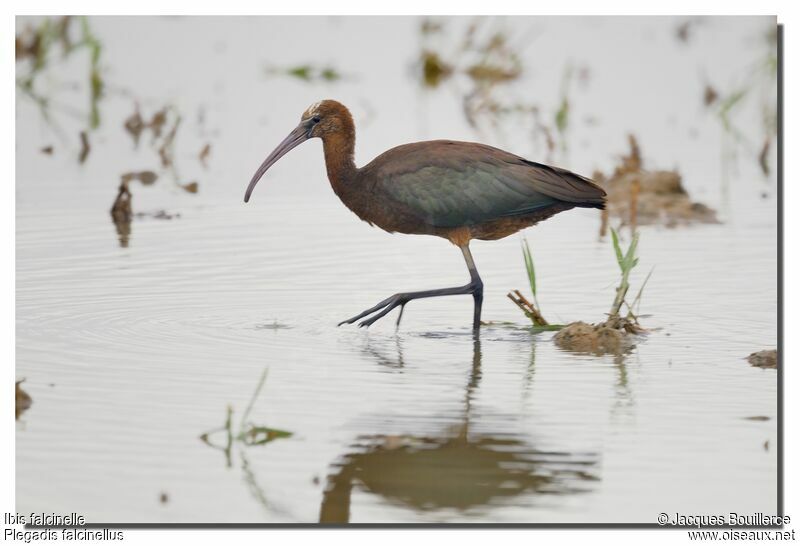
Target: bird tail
(569, 187)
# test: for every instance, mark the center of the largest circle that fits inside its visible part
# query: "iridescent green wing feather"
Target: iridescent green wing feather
(449, 184)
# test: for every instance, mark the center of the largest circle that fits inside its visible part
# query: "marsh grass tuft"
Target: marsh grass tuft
(608, 336)
(626, 260)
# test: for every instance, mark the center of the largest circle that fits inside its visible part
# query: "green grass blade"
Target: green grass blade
(529, 268)
(630, 259)
(526, 252)
(249, 408)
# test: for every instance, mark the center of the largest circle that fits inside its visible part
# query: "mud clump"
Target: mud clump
(661, 199)
(122, 213)
(145, 177)
(599, 339)
(640, 197)
(764, 359)
(122, 210)
(22, 400)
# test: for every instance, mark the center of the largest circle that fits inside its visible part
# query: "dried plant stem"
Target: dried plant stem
(619, 299)
(635, 187)
(528, 308)
(603, 222)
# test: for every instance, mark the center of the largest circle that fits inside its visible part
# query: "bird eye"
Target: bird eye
(315, 119)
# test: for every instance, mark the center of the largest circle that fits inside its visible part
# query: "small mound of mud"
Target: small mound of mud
(640, 197)
(764, 359)
(661, 199)
(22, 400)
(597, 339)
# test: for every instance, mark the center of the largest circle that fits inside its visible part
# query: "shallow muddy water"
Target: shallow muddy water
(132, 352)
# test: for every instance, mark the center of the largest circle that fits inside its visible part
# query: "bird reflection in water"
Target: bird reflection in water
(455, 470)
(384, 357)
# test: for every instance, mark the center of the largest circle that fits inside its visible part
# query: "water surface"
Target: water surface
(132, 352)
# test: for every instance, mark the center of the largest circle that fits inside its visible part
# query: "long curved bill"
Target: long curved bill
(297, 136)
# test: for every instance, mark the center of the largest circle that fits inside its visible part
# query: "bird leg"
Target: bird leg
(474, 287)
(400, 316)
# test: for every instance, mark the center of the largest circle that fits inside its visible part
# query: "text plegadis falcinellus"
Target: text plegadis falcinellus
(456, 190)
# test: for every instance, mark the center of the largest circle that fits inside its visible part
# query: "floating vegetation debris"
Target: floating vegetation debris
(686, 29)
(308, 73)
(85, 147)
(764, 359)
(160, 214)
(163, 128)
(640, 197)
(241, 438)
(135, 125)
(759, 82)
(36, 46)
(763, 157)
(484, 60)
(614, 334)
(122, 210)
(95, 77)
(36, 50)
(122, 214)
(481, 65)
(247, 433)
(434, 70)
(562, 115)
(710, 96)
(204, 154)
(22, 400)
(682, 31)
(145, 177)
(167, 149)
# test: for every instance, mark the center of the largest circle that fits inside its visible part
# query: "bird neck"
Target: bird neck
(340, 158)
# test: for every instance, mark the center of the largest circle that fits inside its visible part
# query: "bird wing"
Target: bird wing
(448, 184)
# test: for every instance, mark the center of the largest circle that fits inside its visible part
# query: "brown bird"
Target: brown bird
(456, 190)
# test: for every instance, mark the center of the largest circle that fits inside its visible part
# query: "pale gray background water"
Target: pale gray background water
(131, 353)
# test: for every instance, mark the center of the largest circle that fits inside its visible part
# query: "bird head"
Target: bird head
(323, 119)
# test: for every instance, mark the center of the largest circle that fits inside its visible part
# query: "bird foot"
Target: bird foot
(384, 307)
(475, 288)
